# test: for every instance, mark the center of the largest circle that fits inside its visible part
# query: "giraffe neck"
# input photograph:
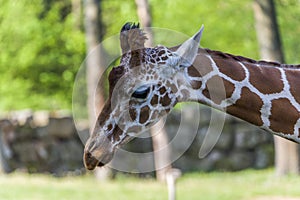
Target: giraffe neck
(265, 94)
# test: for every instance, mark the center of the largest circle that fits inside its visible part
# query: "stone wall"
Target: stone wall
(240, 145)
(40, 142)
(49, 142)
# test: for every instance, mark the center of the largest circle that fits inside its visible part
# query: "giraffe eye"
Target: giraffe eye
(141, 92)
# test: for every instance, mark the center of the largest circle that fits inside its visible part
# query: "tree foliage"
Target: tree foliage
(40, 54)
(42, 49)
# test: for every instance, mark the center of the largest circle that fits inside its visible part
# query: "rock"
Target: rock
(248, 136)
(214, 159)
(38, 146)
(7, 131)
(25, 131)
(61, 127)
(64, 156)
(41, 118)
(239, 160)
(22, 116)
(25, 152)
(226, 139)
(45, 142)
(42, 132)
(187, 163)
(264, 156)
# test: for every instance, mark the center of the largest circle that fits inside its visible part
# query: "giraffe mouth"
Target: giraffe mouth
(98, 152)
(92, 162)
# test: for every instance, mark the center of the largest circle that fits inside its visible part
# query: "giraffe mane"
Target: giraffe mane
(114, 76)
(249, 60)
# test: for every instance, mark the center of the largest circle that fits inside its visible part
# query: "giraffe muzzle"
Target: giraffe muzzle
(98, 152)
(91, 162)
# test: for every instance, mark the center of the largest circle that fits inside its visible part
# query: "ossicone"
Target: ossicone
(132, 37)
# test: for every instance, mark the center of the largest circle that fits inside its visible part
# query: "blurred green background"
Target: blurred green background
(42, 46)
(43, 42)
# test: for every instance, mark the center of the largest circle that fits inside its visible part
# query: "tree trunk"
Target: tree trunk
(144, 14)
(76, 12)
(286, 152)
(158, 132)
(161, 150)
(94, 66)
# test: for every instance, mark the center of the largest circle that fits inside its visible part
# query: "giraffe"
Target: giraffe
(149, 82)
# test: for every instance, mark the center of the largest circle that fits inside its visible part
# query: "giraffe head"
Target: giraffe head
(143, 88)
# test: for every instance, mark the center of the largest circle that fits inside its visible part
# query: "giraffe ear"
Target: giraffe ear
(189, 49)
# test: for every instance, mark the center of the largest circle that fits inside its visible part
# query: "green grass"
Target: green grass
(240, 185)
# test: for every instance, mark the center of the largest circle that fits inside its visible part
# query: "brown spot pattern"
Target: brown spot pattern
(200, 67)
(283, 116)
(104, 115)
(293, 78)
(165, 100)
(196, 84)
(135, 59)
(132, 113)
(164, 58)
(231, 69)
(193, 72)
(162, 52)
(115, 74)
(109, 127)
(144, 114)
(162, 90)
(266, 79)
(173, 87)
(154, 100)
(247, 107)
(116, 134)
(214, 89)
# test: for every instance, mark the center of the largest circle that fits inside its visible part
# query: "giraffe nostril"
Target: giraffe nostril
(88, 155)
(90, 161)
